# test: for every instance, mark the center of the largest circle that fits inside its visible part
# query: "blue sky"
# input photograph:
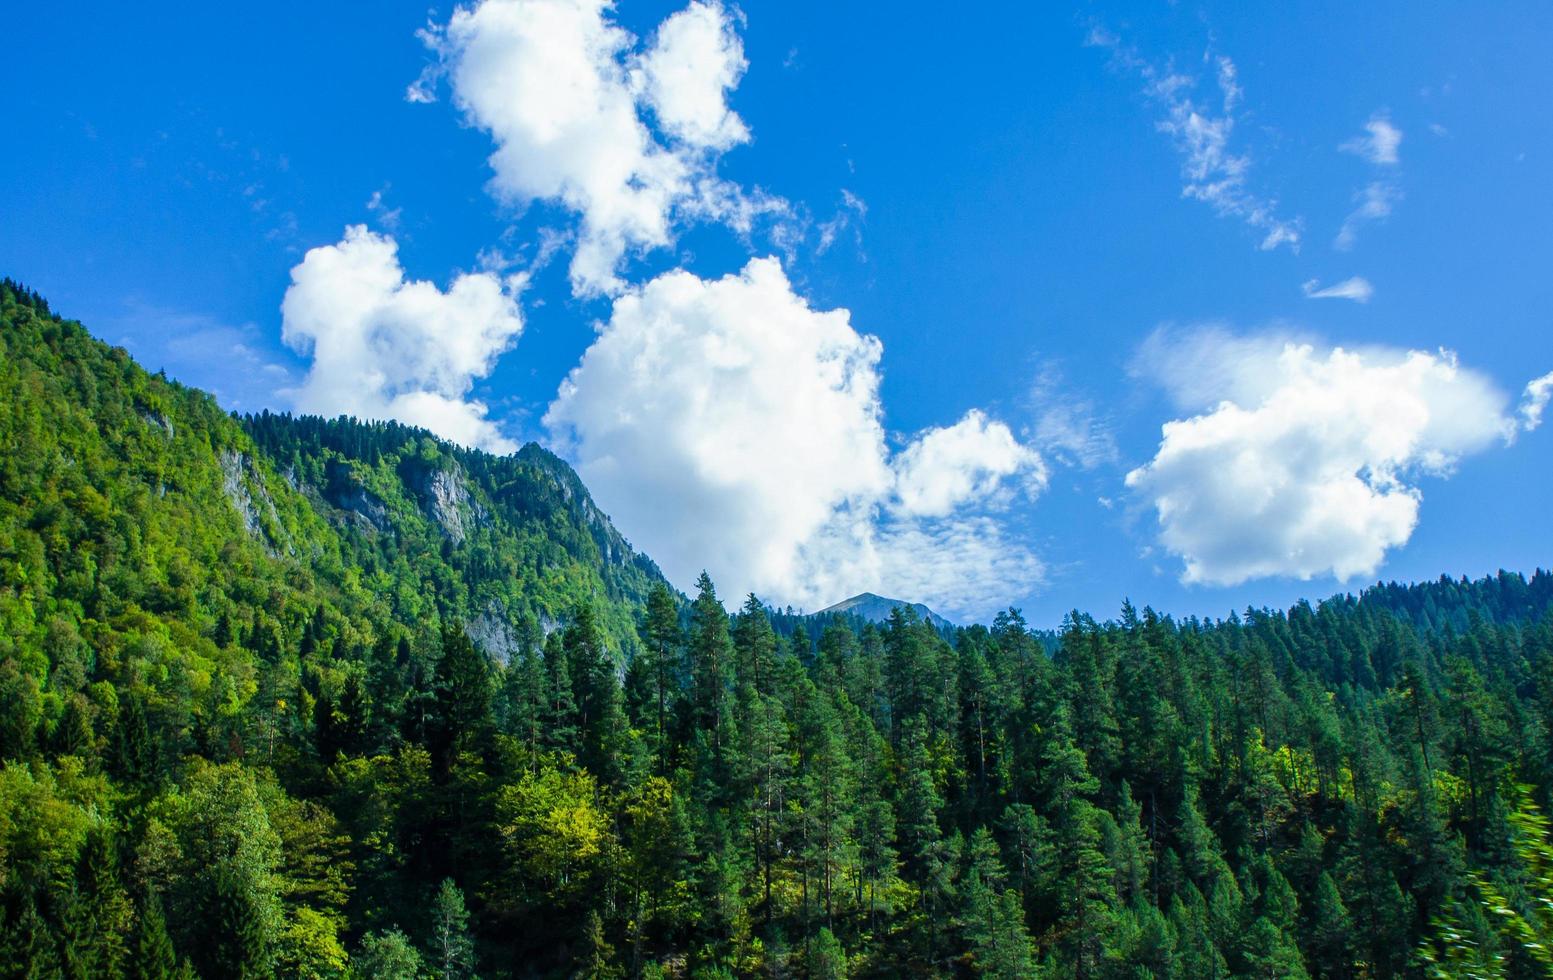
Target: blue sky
(1050, 219)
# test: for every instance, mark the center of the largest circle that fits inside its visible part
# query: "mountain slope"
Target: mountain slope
(497, 539)
(127, 496)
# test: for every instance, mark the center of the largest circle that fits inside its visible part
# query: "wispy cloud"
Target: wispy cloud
(224, 358)
(1202, 129)
(1374, 203)
(1357, 289)
(1379, 143)
(386, 216)
(1535, 400)
(849, 216)
(1069, 428)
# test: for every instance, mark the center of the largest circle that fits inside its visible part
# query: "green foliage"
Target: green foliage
(452, 949)
(270, 686)
(152, 957)
(388, 956)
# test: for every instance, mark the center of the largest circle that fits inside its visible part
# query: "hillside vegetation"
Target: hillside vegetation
(305, 698)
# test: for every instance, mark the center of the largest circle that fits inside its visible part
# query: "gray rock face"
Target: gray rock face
(238, 478)
(365, 508)
(447, 500)
(158, 421)
(493, 634)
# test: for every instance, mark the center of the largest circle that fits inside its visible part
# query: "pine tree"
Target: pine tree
(1330, 939)
(764, 767)
(597, 960)
(754, 646)
(132, 755)
(828, 788)
(29, 949)
(524, 701)
(827, 959)
(992, 915)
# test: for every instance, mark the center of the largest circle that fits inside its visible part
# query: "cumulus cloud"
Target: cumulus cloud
(694, 62)
(1535, 400)
(728, 425)
(1212, 169)
(1357, 289)
(1300, 460)
(968, 462)
(1379, 143)
(386, 347)
(1374, 203)
(569, 100)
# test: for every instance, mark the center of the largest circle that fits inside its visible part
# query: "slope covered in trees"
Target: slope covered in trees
(244, 732)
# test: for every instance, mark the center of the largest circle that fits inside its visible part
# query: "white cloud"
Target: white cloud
(695, 61)
(853, 210)
(1379, 146)
(1303, 461)
(1379, 143)
(1374, 204)
(566, 98)
(1357, 289)
(387, 216)
(1069, 428)
(1212, 170)
(386, 347)
(1535, 400)
(725, 424)
(945, 469)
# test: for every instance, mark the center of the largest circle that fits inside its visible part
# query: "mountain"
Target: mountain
(447, 530)
(877, 609)
(129, 493)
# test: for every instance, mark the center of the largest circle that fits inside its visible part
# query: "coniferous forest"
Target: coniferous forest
(303, 698)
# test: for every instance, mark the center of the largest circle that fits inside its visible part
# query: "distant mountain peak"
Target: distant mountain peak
(877, 608)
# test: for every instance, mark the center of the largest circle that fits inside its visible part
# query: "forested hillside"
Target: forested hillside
(244, 732)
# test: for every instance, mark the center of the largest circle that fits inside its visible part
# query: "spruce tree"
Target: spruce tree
(239, 947)
(561, 702)
(710, 649)
(662, 640)
(461, 710)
